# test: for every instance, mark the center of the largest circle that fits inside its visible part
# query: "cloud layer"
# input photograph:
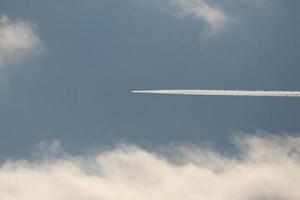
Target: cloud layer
(18, 40)
(265, 168)
(214, 16)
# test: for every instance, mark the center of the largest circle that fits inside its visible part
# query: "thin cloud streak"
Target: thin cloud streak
(249, 93)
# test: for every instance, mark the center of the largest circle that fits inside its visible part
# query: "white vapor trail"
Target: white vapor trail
(253, 93)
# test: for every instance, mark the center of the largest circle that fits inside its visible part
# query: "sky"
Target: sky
(67, 69)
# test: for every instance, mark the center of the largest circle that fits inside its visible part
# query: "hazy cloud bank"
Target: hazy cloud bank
(265, 168)
(18, 40)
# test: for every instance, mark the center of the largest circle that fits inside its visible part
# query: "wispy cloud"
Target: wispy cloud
(214, 12)
(266, 167)
(213, 15)
(18, 40)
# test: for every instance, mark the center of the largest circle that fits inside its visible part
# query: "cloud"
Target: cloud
(265, 168)
(18, 40)
(214, 16)
(215, 13)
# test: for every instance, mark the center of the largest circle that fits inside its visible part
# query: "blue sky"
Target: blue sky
(73, 84)
(70, 127)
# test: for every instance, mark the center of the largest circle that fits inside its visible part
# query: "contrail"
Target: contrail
(249, 93)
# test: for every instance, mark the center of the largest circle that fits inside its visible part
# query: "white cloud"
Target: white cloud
(265, 168)
(18, 40)
(212, 15)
